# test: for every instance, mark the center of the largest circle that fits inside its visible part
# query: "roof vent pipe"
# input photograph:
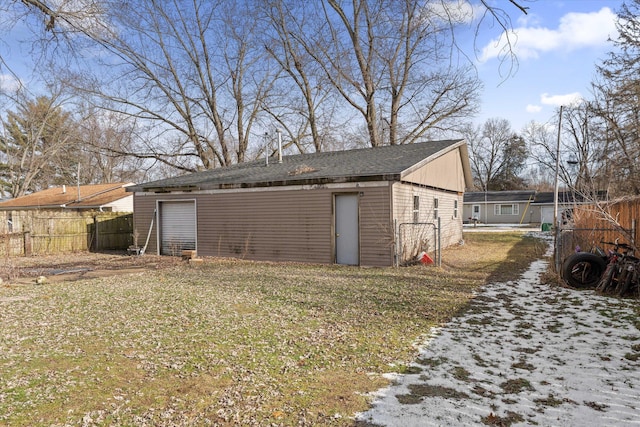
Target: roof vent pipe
(78, 176)
(266, 148)
(64, 189)
(279, 145)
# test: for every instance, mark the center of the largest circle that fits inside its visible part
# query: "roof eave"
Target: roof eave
(25, 208)
(466, 165)
(499, 201)
(262, 184)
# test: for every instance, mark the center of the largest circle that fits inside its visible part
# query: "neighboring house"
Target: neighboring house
(518, 207)
(68, 219)
(543, 205)
(498, 207)
(100, 197)
(370, 207)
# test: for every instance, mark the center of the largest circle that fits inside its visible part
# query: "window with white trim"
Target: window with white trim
(455, 208)
(513, 209)
(416, 208)
(435, 208)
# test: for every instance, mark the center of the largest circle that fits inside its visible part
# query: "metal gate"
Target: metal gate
(418, 240)
(568, 240)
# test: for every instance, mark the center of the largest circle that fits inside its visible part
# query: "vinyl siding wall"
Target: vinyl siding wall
(143, 213)
(526, 213)
(444, 172)
(279, 224)
(415, 236)
(376, 227)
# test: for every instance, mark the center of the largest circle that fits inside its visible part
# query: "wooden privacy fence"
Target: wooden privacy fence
(593, 224)
(613, 220)
(50, 232)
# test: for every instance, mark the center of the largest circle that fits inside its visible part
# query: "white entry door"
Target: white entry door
(475, 212)
(347, 238)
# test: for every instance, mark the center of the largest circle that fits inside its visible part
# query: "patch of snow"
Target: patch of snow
(524, 353)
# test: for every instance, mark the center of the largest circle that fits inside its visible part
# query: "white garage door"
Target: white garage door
(177, 227)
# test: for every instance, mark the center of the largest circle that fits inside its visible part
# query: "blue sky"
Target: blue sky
(558, 44)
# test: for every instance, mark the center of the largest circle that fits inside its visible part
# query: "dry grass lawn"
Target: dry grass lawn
(229, 342)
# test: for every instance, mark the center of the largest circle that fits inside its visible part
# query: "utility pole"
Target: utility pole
(556, 228)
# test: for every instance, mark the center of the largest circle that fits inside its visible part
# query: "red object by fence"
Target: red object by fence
(425, 258)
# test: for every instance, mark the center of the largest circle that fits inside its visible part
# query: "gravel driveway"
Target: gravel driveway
(525, 353)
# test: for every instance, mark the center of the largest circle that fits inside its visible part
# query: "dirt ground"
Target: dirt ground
(80, 265)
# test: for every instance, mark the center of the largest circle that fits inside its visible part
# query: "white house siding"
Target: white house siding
(279, 223)
(122, 205)
(416, 232)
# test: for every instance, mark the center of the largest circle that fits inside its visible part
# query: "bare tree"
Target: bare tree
(582, 163)
(497, 155)
(541, 139)
(302, 112)
(193, 74)
(107, 140)
(376, 55)
(616, 104)
(199, 77)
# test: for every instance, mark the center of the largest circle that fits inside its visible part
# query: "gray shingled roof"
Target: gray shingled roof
(367, 164)
(535, 197)
(499, 196)
(569, 197)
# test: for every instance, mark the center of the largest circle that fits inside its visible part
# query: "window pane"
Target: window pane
(506, 210)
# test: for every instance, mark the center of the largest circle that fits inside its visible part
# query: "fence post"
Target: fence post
(439, 242)
(557, 243)
(396, 237)
(26, 239)
(96, 233)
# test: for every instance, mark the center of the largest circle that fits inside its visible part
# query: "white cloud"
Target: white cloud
(575, 31)
(9, 83)
(454, 11)
(533, 108)
(558, 100)
(528, 20)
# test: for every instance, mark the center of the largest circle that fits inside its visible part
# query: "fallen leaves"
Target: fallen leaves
(229, 342)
